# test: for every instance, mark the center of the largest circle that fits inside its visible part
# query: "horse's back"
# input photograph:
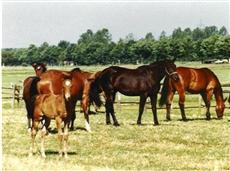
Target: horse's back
(197, 79)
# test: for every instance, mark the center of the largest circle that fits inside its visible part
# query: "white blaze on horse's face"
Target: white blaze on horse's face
(67, 86)
(38, 68)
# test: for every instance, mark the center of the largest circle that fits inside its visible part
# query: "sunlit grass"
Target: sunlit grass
(176, 145)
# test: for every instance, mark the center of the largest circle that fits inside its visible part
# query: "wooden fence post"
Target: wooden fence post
(13, 94)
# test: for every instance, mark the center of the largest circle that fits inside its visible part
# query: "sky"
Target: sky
(33, 22)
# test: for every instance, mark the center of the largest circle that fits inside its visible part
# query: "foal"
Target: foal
(53, 107)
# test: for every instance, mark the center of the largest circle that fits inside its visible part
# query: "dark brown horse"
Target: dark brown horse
(143, 81)
(54, 107)
(50, 82)
(29, 90)
(196, 81)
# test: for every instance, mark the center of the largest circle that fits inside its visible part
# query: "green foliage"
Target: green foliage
(98, 48)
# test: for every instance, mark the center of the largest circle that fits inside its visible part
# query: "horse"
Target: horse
(50, 82)
(29, 90)
(196, 81)
(53, 107)
(143, 81)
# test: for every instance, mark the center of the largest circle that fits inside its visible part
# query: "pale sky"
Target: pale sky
(37, 22)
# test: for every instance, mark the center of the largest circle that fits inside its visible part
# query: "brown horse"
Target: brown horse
(53, 107)
(196, 81)
(143, 81)
(50, 82)
(29, 90)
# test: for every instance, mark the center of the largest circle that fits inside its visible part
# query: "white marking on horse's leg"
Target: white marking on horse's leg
(87, 126)
(65, 143)
(43, 133)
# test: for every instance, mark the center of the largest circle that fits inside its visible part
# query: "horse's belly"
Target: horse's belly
(130, 93)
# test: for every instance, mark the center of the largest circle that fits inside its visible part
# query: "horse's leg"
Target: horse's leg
(107, 111)
(110, 97)
(115, 122)
(33, 135)
(181, 93)
(29, 115)
(43, 133)
(141, 107)
(85, 105)
(60, 136)
(72, 114)
(168, 105)
(65, 138)
(154, 108)
(207, 98)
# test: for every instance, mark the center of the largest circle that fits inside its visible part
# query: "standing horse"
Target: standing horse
(196, 81)
(53, 107)
(143, 81)
(50, 82)
(29, 90)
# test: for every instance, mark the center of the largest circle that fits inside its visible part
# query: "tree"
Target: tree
(149, 36)
(223, 31)
(163, 35)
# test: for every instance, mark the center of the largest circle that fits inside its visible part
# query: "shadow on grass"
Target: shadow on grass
(54, 130)
(51, 152)
(198, 119)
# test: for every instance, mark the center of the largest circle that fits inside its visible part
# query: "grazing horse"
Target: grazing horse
(143, 81)
(50, 82)
(53, 107)
(29, 90)
(196, 81)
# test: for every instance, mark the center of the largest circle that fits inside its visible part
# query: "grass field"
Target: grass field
(194, 145)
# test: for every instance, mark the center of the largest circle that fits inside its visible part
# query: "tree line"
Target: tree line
(97, 47)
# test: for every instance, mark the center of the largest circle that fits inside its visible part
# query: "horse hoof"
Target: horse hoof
(156, 124)
(108, 123)
(116, 124)
(184, 119)
(43, 156)
(29, 130)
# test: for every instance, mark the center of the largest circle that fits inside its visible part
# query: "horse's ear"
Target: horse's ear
(43, 65)
(34, 65)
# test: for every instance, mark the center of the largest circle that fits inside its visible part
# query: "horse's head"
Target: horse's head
(39, 68)
(170, 69)
(67, 84)
(220, 106)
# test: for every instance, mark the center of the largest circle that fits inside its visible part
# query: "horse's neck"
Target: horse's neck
(160, 70)
(219, 95)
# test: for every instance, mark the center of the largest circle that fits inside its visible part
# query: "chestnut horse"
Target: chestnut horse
(52, 107)
(196, 81)
(29, 90)
(50, 82)
(143, 81)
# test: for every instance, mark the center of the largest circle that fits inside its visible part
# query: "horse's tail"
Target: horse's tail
(164, 92)
(29, 95)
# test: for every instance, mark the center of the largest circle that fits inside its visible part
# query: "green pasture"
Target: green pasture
(176, 145)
